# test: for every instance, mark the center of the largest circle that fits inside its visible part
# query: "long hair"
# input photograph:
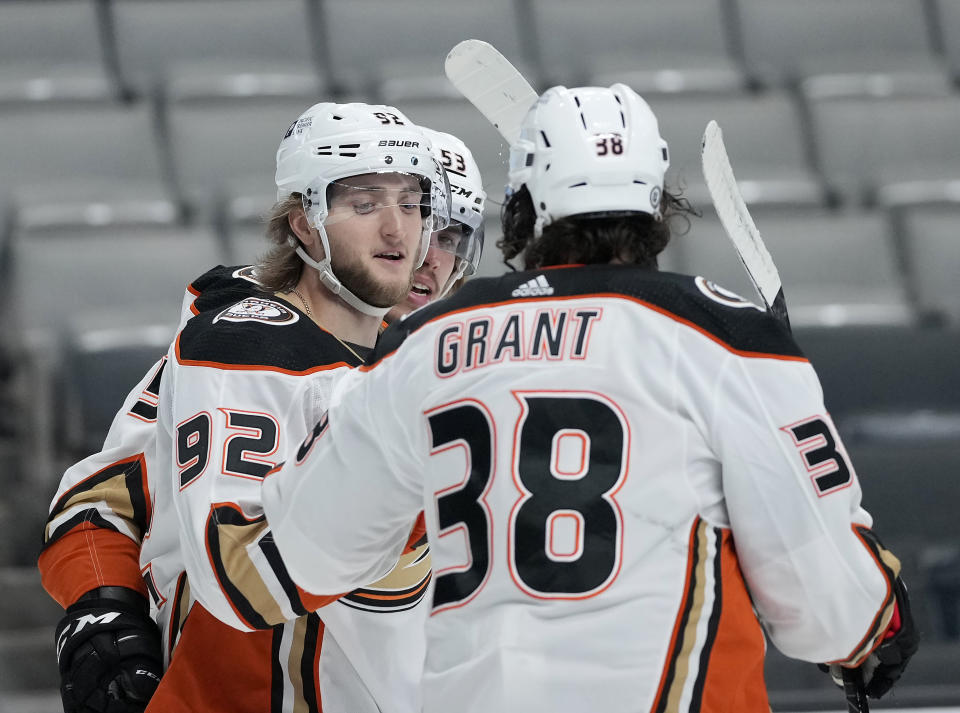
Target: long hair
(278, 270)
(632, 238)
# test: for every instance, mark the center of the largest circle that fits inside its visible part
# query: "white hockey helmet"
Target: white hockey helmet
(589, 150)
(467, 203)
(332, 141)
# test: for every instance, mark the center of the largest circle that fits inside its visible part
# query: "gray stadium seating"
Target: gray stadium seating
(866, 143)
(224, 148)
(932, 244)
(58, 153)
(683, 45)
(52, 50)
(104, 364)
(84, 279)
(399, 55)
(836, 268)
(785, 41)
(947, 19)
(204, 40)
(763, 135)
(245, 238)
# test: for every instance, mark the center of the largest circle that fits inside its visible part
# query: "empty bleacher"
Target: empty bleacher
(136, 150)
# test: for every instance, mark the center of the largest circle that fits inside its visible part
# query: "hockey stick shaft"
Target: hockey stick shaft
(738, 223)
(854, 690)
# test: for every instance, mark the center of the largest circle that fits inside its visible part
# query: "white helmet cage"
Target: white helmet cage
(467, 202)
(332, 141)
(589, 150)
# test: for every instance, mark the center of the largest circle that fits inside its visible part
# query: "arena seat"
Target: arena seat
(681, 46)
(765, 138)
(171, 39)
(785, 42)
(400, 56)
(932, 244)
(223, 148)
(864, 143)
(104, 364)
(78, 152)
(53, 51)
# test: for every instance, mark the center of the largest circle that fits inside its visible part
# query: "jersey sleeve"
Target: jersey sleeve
(226, 429)
(103, 506)
(822, 591)
(357, 465)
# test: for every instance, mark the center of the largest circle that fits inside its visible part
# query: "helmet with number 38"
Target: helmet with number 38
(590, 151)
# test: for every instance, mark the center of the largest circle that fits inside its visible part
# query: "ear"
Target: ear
(300, 226)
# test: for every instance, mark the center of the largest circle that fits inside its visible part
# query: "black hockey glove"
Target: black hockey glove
(887, 662)
(109, 653)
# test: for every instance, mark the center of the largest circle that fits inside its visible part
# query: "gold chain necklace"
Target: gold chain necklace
(306, 308)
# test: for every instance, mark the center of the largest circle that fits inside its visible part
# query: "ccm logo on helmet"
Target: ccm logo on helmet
(402, 144)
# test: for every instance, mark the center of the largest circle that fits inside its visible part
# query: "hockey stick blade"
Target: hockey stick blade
(738, 223)
(492, 84)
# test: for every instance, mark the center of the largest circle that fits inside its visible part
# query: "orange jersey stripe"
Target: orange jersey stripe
(88, 557)
(734, 679)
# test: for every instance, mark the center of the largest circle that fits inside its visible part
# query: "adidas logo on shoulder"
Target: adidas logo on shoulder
(537, 287)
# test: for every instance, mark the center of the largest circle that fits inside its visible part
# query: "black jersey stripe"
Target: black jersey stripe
(312, 643)
(276, 671)
(242, 606)
(683, 622)
(121, 486)
(178, 613)
(91, 516)
(696, 699)
(272, 554)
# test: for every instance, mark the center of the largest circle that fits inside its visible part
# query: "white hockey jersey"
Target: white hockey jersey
(621, 470)
(170, 507)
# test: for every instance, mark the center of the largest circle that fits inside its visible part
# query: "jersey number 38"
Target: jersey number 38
(565, 529)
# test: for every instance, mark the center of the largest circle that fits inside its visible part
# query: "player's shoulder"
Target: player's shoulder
(713, 311)
(223, 285)
(692, 301)
(260, 331)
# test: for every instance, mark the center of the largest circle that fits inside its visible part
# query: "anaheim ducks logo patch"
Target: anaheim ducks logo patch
(256, 309)
(723, 296)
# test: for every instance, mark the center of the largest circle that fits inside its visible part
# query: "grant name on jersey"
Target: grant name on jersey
(562, 333)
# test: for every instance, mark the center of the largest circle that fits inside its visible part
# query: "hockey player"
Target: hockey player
(457, 248)
(627, 475)
(107, 507)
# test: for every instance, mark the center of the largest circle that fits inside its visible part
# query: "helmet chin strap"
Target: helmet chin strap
(454, 276)
(330, 281)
